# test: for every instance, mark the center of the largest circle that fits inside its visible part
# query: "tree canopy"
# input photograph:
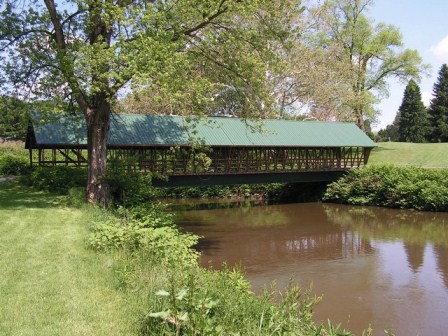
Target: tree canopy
(371, 53)
(88, 52)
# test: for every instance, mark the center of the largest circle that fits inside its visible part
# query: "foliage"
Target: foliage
(390, 133)
(370, 53)
(13, 165)
(155, 263)
(149, 229)
(85, 53)
(127, 186)
(14, 120)
(13, 158)
(394, 187)
(219, 303)
(240, 191)
(58, 179)
(413, 122)
(438, 109)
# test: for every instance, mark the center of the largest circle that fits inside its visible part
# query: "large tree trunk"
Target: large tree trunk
(360, 119)
(97, 120)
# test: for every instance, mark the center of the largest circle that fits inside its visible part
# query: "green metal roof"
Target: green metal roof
(148, 130)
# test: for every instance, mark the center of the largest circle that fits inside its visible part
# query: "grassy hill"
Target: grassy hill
(426, 155)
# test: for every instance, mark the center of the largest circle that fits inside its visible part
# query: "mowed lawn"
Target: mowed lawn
(425, 155)
(51, 283)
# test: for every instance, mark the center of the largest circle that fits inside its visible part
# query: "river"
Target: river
(373, 266)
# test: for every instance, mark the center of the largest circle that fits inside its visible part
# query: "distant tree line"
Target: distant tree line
(416, 123)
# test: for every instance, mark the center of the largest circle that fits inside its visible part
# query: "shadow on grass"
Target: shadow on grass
(15, 196)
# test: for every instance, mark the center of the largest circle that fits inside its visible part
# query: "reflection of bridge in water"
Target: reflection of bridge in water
(211, 150)
(341, 245)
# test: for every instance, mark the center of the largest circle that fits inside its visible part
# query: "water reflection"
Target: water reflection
(415, 253)
(410, 226)
(379, 266)
(442, 262)
(414, 229)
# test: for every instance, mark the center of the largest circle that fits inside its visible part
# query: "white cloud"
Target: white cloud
(426, 98)
(440, 50)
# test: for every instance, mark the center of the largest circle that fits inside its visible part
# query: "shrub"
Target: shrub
(13, 165)
(390, 186)
(128, 187)
(57, 179)
(202, 302)
(151, 231)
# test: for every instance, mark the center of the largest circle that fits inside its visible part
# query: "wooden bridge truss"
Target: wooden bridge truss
(172, 161)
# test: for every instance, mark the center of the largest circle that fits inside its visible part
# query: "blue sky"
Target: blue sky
(424, 26)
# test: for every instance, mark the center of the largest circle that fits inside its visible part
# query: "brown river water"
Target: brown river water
(373, 266)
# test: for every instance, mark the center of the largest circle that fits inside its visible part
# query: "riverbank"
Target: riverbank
(77, 270)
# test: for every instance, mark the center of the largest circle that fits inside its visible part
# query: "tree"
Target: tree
(413, 122)
(13, 121)
(87, 52)
(438, 109)
(373, 53)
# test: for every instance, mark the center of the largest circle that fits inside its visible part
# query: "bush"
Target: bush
(127, 187)
(394, 187)
(13, 165)
(57, 179)
(150, 230)
(242, 191)
(202, 302)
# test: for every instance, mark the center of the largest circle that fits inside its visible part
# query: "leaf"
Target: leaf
(183, 317)
(162, 293)
(163, 314)
(182, 293)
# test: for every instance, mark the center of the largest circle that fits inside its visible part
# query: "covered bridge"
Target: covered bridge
(208, 150)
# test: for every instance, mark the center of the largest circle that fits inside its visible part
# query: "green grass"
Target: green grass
(426, 155)
(51, 283)
(16, 148)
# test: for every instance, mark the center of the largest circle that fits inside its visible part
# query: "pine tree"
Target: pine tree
(438, 110)
(413, 122)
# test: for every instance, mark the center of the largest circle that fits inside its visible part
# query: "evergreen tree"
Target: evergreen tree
(438, 110)
(413, 121)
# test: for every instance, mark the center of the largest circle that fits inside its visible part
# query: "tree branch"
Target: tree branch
(191, 31)
(57, 25)
(21, 35)
(59, 38)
